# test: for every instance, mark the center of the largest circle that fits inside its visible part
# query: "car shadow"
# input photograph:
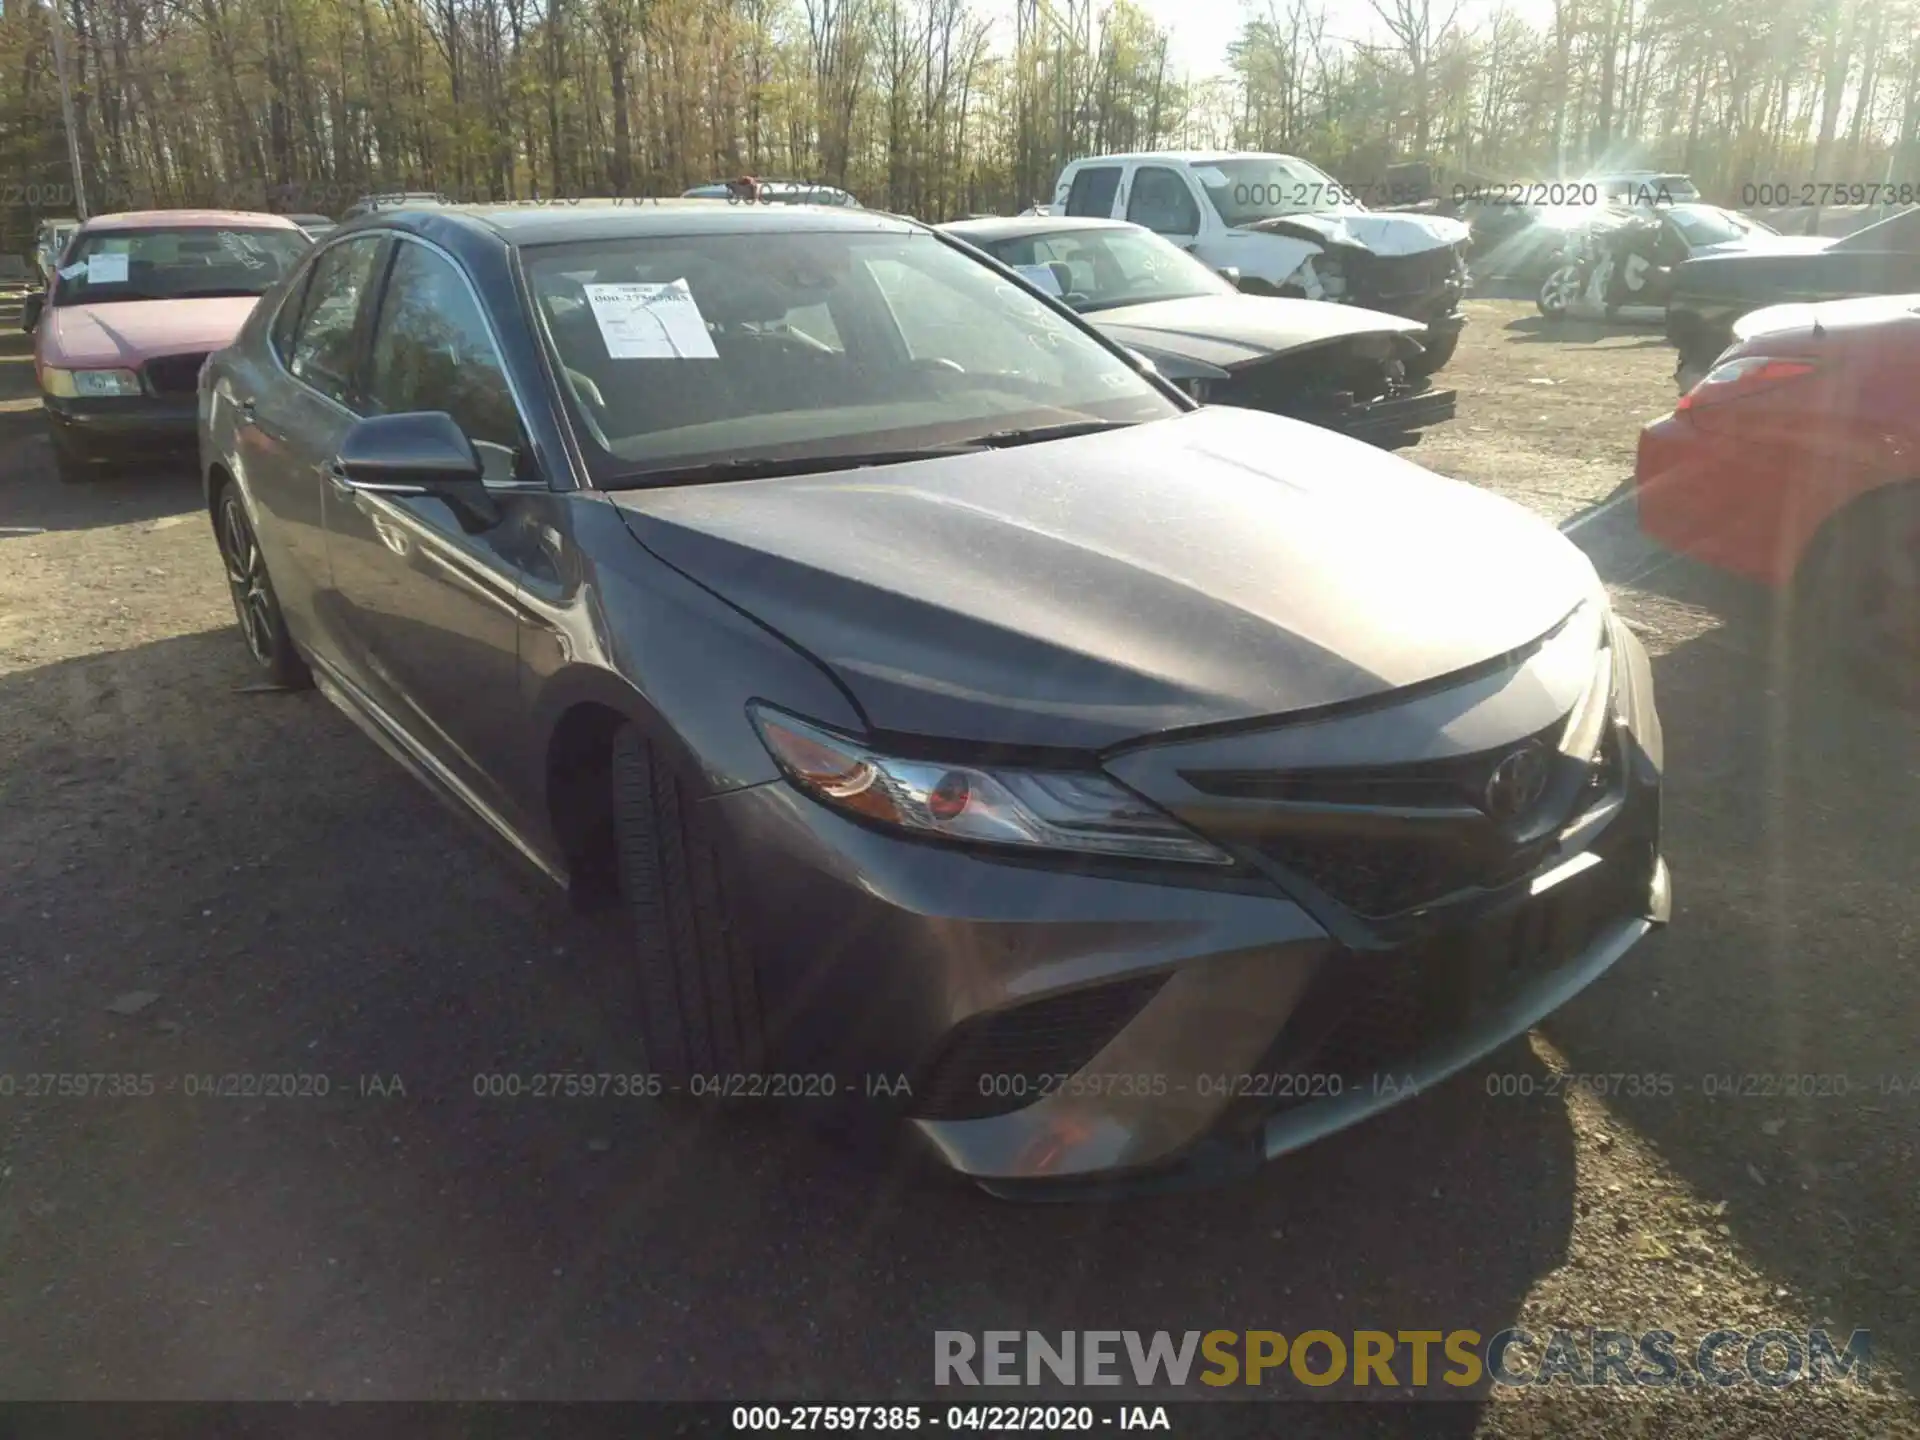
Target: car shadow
(1539, 330)
(1781, 1001)
(298, 907)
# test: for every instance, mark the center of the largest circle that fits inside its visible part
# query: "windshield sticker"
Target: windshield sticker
(1041, 277)
(74, 272)
(651, 322)
(106, 269)
(1211, 178)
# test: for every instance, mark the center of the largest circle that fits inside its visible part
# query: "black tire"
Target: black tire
(71, 464)
(1438, 352)
(699, 998)
(1856, 600)
(255, 605)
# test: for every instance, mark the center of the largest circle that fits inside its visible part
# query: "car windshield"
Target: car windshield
(1705, 226)
(691, 351)
(1250, 188)
(1098, 269)
(176, 263)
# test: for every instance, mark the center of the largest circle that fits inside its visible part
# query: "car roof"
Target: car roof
(1008, 227)
(187, 220)
(1187, 157)
(589, 220)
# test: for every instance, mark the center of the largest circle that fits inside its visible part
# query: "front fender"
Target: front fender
(1271, 258)
(627, 632)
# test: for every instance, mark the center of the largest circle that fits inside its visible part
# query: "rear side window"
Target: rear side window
(322, 351)
(1093, 190)
(432, 351)
(288, 320)
(1162, 202)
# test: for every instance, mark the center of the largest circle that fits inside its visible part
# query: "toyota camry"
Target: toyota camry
(1145, 790)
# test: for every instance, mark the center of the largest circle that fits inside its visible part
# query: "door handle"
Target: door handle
(248, 416)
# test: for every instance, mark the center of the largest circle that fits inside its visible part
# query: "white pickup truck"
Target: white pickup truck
(1286, 228)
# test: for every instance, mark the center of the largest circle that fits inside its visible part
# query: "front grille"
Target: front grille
(1368, 1016)
(1385, 873)
(173, 375)
(1395, 282)
(1378, 876)
(1002, 1062)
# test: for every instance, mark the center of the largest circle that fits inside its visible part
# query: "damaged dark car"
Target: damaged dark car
(1712, 291)
(1343, 367)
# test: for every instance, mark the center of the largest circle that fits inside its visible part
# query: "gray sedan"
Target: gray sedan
(962, 721)
(1342, 366)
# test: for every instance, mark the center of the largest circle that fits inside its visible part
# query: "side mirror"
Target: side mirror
(421, 453)
(1231, 274)
(31, 310)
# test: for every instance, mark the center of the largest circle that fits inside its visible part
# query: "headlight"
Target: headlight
(1081, 811)
(90, 384)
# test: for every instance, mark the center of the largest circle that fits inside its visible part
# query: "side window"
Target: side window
(431, 351)
(288, 320)
(1093, 190)
(322, 351)
(1162, 202)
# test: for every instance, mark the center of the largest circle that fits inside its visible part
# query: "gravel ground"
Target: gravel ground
(283, 899)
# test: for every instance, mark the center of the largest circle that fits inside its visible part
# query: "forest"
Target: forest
(935, 108)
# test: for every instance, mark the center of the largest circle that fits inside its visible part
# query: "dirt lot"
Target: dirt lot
(296, 905)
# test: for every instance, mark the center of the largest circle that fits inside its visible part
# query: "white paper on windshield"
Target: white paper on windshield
(1211, 178)
(75, 271)
(1041, 277)
(106, 269)
(651, 322)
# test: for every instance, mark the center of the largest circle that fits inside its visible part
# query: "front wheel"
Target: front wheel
(1558, 292)
(71, 464)
(699, 999)
(254, 602)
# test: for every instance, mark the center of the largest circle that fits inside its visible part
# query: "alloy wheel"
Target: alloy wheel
(247, 580)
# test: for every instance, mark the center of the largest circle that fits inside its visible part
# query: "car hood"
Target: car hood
(127, 333)
(1384, 233)
(1836, 318)
(1761, 243)
(1220, 565)
(1229, 330)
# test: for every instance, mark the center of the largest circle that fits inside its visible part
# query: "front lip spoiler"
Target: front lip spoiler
(1219, 1159)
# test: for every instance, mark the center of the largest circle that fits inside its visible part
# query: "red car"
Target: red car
(1796, 462)
(137, 302)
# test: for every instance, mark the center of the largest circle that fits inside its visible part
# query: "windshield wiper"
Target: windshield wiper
(229, 293)
(768, 467)
(1034, 434)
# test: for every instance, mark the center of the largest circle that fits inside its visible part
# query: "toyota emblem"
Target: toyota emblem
(1517, 782)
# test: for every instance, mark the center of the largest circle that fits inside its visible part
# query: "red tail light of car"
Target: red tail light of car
(1736, 379)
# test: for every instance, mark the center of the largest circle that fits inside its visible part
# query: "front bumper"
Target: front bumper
(1723, 501)
(123, 425)
(1383, 421)
(1105, 1017)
